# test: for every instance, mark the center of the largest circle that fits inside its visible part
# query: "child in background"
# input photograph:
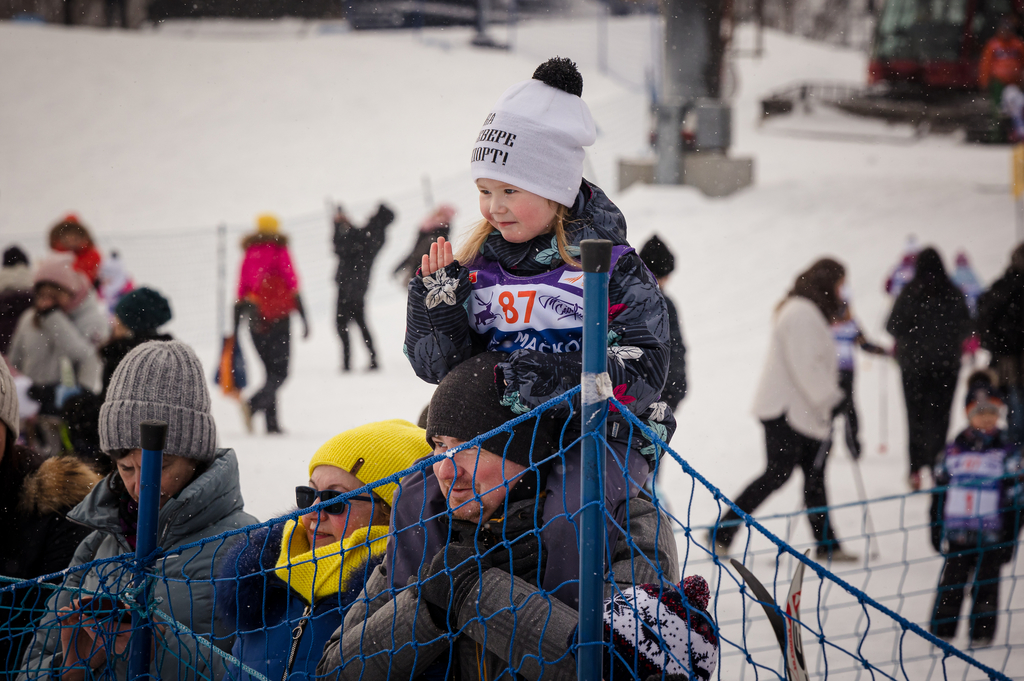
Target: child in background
(71, 236)
(660, 261)
(848, 336)
(975, 515)
(514, 284)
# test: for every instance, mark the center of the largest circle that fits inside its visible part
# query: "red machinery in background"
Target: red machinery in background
(934, 45)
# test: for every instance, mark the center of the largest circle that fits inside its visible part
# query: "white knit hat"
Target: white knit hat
(534, 136)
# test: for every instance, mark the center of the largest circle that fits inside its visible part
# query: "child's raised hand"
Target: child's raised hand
(441, 255)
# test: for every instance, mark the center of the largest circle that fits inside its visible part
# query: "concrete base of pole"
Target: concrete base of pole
(714, 173)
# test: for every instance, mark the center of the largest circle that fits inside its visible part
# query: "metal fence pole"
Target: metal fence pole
(154, 436)
(596, 255)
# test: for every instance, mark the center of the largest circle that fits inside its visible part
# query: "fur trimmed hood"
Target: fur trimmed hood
(57, 486)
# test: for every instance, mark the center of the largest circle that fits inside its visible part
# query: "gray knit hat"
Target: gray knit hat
(8, 399)
(160, 380)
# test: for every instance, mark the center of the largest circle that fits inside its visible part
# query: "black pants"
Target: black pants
(349, 310)
(929, 399)
(273, 344)
(956, 576)
(787, 449)
(849, 411)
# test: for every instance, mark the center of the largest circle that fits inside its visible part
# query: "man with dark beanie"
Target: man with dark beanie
(660, 261)
(1001, 327)
(480, 578)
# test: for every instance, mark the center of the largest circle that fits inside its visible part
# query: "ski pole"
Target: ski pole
(858, 478)
(883, 406)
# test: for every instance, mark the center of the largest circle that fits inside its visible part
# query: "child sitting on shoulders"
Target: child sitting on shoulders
(514, 283)
(975, 514)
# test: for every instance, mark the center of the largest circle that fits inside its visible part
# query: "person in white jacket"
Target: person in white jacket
(795, 399)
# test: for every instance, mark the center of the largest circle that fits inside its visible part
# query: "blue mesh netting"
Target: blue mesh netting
(868, 619)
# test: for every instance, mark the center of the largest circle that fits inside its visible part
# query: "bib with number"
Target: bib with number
(542, 312)
(975, 490)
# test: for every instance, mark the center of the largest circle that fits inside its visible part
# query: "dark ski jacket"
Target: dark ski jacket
(36, 538)
(356, 250)
(675, 384)
(929, 326)
(440, 338)
(1001, 315)
(265, 611)
(1011, 489)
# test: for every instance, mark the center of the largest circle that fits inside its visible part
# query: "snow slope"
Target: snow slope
(156, 137)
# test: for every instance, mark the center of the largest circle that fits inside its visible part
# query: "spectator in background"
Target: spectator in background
(15, 293)
(287, 588)
(904, 272)
(795, 400)
(1001, 326)
(114, 280)
(967, 281)
(268, 292)
(975, 515)
(1002, 61)
(137, 320)
(200, 497)
(356, 250)
(660, 261)
(929, 322)
(36, 538)
(848, 337)
(52, 350)
(82, 305)
(71, 236)
(437, 224)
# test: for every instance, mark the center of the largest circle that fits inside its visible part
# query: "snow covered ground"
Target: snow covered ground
(154, 138)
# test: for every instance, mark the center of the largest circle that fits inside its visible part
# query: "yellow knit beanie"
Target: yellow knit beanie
(267, 224)
(374, 451)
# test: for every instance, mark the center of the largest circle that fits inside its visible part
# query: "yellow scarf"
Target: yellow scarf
(328, 569)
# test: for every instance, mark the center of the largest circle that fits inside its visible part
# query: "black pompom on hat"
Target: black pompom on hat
(560, 73)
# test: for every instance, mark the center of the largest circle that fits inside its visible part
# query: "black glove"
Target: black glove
(518, 548)
(448, 581)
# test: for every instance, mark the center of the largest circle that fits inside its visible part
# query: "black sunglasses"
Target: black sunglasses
(306, 496)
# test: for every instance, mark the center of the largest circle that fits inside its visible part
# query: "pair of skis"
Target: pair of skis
(787, 629)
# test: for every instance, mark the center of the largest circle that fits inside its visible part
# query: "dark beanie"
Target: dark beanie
(467, 403)
(143, 310)
(15, 256)
(657, 257)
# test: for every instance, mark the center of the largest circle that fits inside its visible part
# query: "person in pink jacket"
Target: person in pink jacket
(268, 292)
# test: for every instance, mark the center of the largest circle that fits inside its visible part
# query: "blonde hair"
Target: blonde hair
(469, 245)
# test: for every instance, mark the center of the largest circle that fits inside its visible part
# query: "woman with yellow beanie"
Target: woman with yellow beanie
(288, 587)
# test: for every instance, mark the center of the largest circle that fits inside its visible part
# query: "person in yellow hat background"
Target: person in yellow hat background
(268, 292)
(287, 588)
